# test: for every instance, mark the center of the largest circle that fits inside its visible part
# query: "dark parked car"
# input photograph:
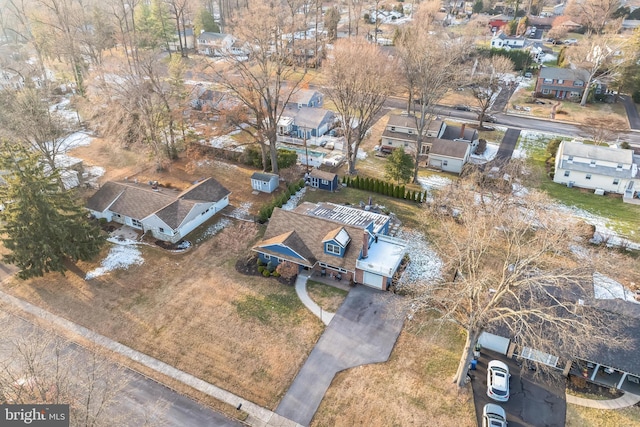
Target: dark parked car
(462, 107)
(488, 118)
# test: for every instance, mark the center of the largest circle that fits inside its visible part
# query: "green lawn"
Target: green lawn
(328, 297)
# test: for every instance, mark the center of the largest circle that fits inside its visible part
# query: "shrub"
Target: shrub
(266, 273)
(275, 274)
(260, 262)
(636, 96)
(270, 266)
(261, 269)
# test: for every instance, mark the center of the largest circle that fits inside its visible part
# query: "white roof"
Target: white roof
(342, 237)
(596, 152)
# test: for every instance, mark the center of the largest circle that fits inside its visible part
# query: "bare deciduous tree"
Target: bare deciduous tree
(597, 56)
(486, 81)
(603, 129)
(593, 14)
(263, 80)
(509, 266)
(431, 66)
(358, 91)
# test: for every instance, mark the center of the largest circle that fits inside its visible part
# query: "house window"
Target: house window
(546, 91)
(393, 128)
(548, 80)
(324, 182)
(266, 256)
(619, 167)
(566, 173)
(592, 164)
(578, 83)
(136, 223)
(445, 162)
(406, 144)
(161, 229)
(575, 94)
(560, 81)
(409, 131)
(390, 143)
(333, 249)
(570, 159)
(616, 181)
(588, 176)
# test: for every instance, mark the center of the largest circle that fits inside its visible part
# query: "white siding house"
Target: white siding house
(501, 41)
(166, 214)
(604, 169)
(449, 156)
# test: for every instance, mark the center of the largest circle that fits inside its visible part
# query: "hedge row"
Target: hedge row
(265, 211)
(385, 188)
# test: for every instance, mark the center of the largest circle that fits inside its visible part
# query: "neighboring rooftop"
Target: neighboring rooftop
(563, 74)
(448, 148)
(343, 215)
(597, 152)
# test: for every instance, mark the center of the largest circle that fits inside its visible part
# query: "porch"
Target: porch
(607, 376)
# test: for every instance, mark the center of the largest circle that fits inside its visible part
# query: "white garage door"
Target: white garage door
(373, 280)
(494, 342)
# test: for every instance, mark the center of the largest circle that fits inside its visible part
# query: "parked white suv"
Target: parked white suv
(498, 381)
(493, 416)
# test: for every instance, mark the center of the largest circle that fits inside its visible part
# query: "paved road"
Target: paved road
(363, 331)
(532, 403)
(141, 398)
(518, 122)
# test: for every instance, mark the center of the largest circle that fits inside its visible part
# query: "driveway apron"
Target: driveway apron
(363, 331)
(508, 144)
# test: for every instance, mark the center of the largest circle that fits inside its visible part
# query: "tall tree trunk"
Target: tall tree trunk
(466, 357)
(585, 94)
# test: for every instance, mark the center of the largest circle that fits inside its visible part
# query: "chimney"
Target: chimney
(365, 244)
(462, 130)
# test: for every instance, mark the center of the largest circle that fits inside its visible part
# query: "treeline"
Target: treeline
(265, 211)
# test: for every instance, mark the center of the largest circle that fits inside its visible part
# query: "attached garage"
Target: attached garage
(494, 342)
(374, 280)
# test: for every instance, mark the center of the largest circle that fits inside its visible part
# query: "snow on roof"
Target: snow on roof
(342, 237)
(344, 215)
(384, 256)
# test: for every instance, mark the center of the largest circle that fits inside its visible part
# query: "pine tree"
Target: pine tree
(43, 226)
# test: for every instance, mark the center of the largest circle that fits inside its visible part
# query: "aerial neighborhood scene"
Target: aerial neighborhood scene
(320, 213)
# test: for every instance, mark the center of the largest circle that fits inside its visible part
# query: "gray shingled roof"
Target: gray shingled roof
(263, 176)
(139, 201)
(453, 132)
(448, 148)
(563, 74)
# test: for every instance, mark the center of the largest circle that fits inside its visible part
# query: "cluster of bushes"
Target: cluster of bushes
(385, 188)
(265, 211)
(521, 59)
(267, 270)
(252, 156)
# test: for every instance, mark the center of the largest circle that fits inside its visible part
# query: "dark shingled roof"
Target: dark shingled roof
(139, 201)
(453, 132)
(310, 231)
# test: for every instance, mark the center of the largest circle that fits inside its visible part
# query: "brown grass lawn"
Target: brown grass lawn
(573, 112)
(578, 416)
(413, 388)
(249, 335)
(329, 298)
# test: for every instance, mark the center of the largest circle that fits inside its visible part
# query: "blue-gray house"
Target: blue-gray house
(323, 180)
(313, 122)
(305, 98)
(338, 240)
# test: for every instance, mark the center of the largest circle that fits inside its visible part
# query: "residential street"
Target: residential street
(142, 399)
(518, 122)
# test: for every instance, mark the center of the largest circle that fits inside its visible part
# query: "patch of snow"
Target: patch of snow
(362, 155)
(488, 155)
(214, 229)
(432, 182)
(425, 263)
(606, 288)
(94, 171)
(121, 256)
(76, 139)
(294, 201)
(224, 141)
(241, 211)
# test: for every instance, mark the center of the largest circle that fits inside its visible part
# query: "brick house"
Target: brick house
(564, 83)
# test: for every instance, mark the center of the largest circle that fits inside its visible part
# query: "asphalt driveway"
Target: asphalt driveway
(508, 144)
(632, 112)
(532, 403)
(363, 331)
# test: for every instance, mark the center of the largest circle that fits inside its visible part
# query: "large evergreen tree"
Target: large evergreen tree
(42, 226)
(399, 167)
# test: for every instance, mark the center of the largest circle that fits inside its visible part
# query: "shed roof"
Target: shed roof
(264, 176)
(317, 173)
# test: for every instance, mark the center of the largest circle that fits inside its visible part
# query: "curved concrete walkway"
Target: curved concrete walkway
(301, 290)
(628, 399)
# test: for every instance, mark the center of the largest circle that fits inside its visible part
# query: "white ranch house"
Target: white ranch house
(166, 214)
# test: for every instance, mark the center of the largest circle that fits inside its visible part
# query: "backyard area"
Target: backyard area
(579, 416)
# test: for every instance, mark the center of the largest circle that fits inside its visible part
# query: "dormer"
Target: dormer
(336, 241)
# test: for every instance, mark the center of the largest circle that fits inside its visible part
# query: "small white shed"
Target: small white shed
(265, 182)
